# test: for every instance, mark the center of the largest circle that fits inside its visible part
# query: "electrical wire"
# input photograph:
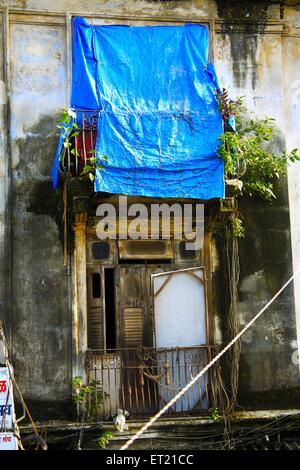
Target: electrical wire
(39, 438)
(204, 370)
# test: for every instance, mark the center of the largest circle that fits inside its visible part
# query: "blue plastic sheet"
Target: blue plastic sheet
(159, 124)
(62, 136)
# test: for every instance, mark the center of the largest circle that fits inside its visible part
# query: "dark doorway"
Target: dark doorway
(110, 308)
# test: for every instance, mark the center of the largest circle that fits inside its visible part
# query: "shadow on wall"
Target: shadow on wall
(36, 152)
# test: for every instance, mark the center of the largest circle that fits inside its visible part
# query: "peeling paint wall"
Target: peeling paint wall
(256, 52)
(291, 60)
(40, 311)
(254, 60)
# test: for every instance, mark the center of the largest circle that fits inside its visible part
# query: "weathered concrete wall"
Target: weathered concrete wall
(40, 310)
(291, 59)
(253, 58)
(251, 61)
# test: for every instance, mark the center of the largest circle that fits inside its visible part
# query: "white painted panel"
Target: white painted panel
(179, 309)
(7, 412)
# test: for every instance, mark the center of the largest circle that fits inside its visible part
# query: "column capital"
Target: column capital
(80, 220)
(80, 204)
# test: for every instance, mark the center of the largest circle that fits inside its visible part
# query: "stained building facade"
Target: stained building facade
(73, 305)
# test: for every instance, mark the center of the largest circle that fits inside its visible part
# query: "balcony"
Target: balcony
(82, 139)
(142, 380)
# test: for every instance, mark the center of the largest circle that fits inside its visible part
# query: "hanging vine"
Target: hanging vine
(233, 275)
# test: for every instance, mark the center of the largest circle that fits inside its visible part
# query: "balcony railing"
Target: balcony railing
(83, 143)
(143, 380)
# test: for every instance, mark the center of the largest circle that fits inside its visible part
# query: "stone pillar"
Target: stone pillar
(79, 309)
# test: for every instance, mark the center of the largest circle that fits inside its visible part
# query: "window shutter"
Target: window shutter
(95, 329)
(95, 310)
(133, 327)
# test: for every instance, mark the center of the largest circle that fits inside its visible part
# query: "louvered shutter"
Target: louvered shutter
(133, 322)
(95, 310)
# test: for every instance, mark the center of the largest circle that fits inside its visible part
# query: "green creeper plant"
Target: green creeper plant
(237, 228)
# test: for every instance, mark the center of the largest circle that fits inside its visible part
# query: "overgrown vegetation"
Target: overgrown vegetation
(251, 166)
(247, 152)
(70, 129)
(249, 162)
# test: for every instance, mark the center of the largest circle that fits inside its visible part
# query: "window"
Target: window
(145, 249)
(100, 251)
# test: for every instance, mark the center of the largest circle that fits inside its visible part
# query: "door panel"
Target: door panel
(133, 294)
(179, 308)
(180, 328)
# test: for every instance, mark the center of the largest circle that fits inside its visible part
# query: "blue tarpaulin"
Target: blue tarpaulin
(159, 123)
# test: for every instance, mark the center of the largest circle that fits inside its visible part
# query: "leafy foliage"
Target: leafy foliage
(88, 396)
(98, 395)
(237, 227)
(104, 439)
(227, 106)
(71, 130)
(246, 151)
(215, 414)
(80, 391)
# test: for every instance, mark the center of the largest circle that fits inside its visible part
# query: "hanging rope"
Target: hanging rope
(39, 438)
(213, 361)
(15, 384)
